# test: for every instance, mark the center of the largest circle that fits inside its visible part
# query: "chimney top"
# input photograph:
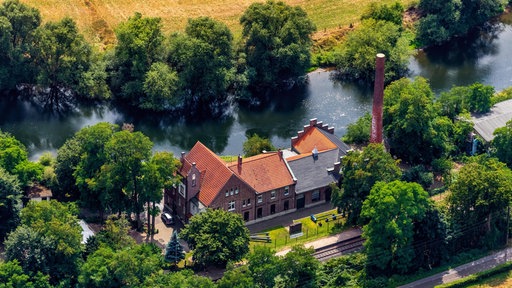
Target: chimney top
(239, 161)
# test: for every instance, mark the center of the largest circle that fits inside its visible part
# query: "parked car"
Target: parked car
(167, 218)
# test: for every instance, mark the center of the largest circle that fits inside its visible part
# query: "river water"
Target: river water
(485, 58)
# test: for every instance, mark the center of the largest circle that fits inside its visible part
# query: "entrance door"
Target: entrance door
(301, 201)
(259, 214)
(286, 205)
(246, 216)
(328, 193)
(272, 208)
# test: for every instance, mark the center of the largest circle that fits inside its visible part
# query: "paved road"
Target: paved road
(465, 270)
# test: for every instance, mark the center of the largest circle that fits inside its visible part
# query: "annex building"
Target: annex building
(263, 186)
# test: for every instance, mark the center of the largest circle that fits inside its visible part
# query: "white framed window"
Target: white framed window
(231, 205)
(227, 193)
(244, 203)
(236, 191)
(249, 202)
(231, 192)
(181, 189)
(194, 179)
(286, 190)
(260, 198)
(273, 194)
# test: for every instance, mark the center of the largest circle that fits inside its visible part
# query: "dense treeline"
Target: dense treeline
(192, 71)
(201, 69)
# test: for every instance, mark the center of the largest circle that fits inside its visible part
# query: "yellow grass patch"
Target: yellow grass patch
(98, 18)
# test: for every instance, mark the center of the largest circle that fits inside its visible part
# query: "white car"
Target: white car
(167, 218)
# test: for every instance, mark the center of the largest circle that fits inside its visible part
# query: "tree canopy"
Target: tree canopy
(479, 195)
(216, 237)
(10, 202)
(277, 42)
(502, 144)
(443, 20)
(356, 59)
(409, 118)
(392, 208)
(361, 170)
(255, 145)
(48, 240)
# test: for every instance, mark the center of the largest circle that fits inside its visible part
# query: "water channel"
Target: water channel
(486, 58)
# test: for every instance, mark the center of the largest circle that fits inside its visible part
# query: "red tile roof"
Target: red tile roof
(264, 172)
(311, 139)
(214, 173)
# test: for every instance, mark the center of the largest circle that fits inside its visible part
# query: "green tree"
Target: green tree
(180, 279)
(392, 13)
(91, 157)
(480, 98)
(128, 267)
(255, 145)
(263, 266)
(18, 22)
(121, 175)
(68, 157)
(502, 143)
(392, 208)
(361, 170)
(139, 45)
(158, 174)
(356, 59)
(54, 227)
(14, 159)
(61, 56)
(216, 237)
(479, 196)
(359, 132)
(160, 85)
(114, 235)
(174, 251)
(344, 271)
(277, 42)
(12, 275)
(300, 267)
(10, 202)
(443, 20)
(203, 58)
(238, 277)
(408, 121)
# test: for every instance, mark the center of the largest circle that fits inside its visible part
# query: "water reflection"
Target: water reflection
(486, 58)
(483, 56)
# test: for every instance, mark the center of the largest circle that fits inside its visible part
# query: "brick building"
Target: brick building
(257, 187)
(263, 186)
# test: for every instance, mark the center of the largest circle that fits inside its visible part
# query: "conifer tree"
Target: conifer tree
(174, 251)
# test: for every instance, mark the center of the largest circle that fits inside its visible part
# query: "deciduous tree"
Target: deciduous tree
(277, 41)
(203, 58)
(356, 60)
(61, 56)
(10, 202)
(216, 237)
(255, 145)
(502, 143)
(48, 240)
(392, 209)
(361, 170)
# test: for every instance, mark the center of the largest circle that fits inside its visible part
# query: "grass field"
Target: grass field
(312, 231)
(97, 19)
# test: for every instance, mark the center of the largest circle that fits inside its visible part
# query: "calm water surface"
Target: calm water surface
(486, 59)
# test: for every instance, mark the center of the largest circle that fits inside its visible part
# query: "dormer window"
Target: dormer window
(194, 179)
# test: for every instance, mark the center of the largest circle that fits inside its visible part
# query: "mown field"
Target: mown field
(97, 19)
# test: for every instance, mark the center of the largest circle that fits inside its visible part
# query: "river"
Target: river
(485, 58)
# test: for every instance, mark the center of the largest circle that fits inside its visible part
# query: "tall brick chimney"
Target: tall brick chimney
(378, 99)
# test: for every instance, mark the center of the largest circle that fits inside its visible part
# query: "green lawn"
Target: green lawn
(280, 238)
